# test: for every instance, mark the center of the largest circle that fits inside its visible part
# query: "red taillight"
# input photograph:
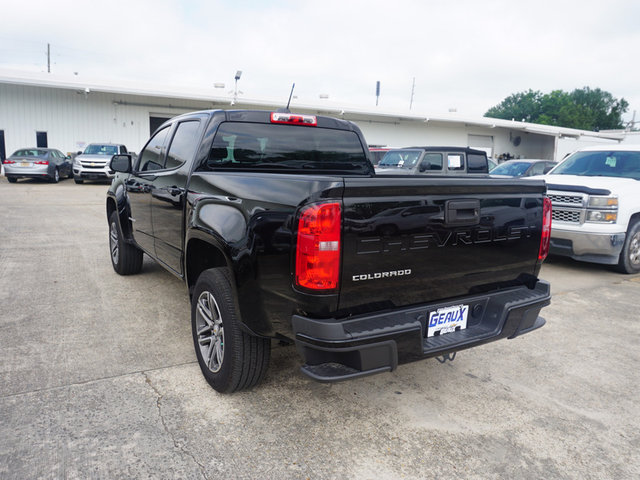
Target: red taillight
(8, 161)
(291, 119)
(42, 162)
(318, 249)
(545, 239)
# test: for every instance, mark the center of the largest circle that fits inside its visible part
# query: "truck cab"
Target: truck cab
(433, 161)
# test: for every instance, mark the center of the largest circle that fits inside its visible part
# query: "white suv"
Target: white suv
(596, 206)
(93, 163)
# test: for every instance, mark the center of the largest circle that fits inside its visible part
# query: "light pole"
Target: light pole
(235, 90)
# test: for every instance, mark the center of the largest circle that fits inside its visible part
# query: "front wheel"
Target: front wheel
(125, 258)
(630, 256)
(230, 358)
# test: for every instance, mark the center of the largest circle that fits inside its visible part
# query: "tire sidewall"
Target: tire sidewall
(216, 282)
(625, 264)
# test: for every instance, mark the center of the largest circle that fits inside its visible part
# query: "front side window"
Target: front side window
(151, 156)
(184, 144)
(431, 162)
(252, 146)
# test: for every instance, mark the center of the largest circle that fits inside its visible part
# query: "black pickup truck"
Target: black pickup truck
(281, 231)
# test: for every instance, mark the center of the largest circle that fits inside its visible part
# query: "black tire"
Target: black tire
(78, 180)
(12, 179)
(630, 256)
(70, 175)
(56, 176)
(125, 258)
(230, 358)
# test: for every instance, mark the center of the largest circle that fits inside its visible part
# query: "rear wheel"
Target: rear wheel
(125, 258)
(230, 358)
(630, 256)
(56, 176)
(12, 179)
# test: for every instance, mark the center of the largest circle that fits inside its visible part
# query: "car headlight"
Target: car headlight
(603, 201)
(600, 216)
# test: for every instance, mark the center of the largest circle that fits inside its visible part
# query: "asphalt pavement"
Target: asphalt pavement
(98, 378)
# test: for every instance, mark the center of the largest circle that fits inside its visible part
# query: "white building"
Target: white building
(40, 109)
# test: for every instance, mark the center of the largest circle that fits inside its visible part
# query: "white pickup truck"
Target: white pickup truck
(595, 194)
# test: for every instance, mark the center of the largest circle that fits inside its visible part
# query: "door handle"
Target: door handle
(462, 212)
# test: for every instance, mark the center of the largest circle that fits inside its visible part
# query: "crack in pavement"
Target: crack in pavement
(95, 380)
(176, 444)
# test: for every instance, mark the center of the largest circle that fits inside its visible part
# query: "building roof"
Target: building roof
(47, 80)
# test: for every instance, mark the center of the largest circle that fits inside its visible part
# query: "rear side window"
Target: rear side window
(184, 144)
(455, 162)
(254, 146)
(477, 163)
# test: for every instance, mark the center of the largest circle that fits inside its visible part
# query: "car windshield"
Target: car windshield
(601, 164)
(30, 152)
(515, 169)
(101, 150)
(400, 159)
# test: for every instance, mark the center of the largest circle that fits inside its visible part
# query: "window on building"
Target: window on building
(41, 140)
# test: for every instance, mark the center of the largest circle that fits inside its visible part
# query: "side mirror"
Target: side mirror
(547, 170)
(79, 152)
(121, 163)
(424, 166)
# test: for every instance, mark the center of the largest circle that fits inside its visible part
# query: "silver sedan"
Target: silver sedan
(44, 163)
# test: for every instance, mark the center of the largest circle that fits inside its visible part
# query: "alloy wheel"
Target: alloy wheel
(210, 331)
(113, 243)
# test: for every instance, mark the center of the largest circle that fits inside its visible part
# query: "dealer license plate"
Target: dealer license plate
(447, 320)
(25, 164)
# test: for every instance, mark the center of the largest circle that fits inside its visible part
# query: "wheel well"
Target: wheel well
(634, 218)
(201, 256)
(111, 207)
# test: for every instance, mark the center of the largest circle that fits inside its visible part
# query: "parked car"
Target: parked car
(43, 163)
(93, 163)
(433, 161)
(280, 230)
(523, 168)
(596, 206)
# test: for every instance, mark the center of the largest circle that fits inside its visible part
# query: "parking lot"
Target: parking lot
(98, 378)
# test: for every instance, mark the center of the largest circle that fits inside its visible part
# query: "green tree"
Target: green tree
(584, 108)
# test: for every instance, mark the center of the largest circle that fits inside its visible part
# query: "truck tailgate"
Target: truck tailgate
(413, 240)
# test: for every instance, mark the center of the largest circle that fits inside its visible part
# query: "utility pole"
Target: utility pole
(48, 58)
(413, 89)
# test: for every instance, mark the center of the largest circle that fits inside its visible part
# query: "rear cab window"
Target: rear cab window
(286, 148)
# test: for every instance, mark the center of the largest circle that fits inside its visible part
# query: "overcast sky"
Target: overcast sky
(466, 55)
